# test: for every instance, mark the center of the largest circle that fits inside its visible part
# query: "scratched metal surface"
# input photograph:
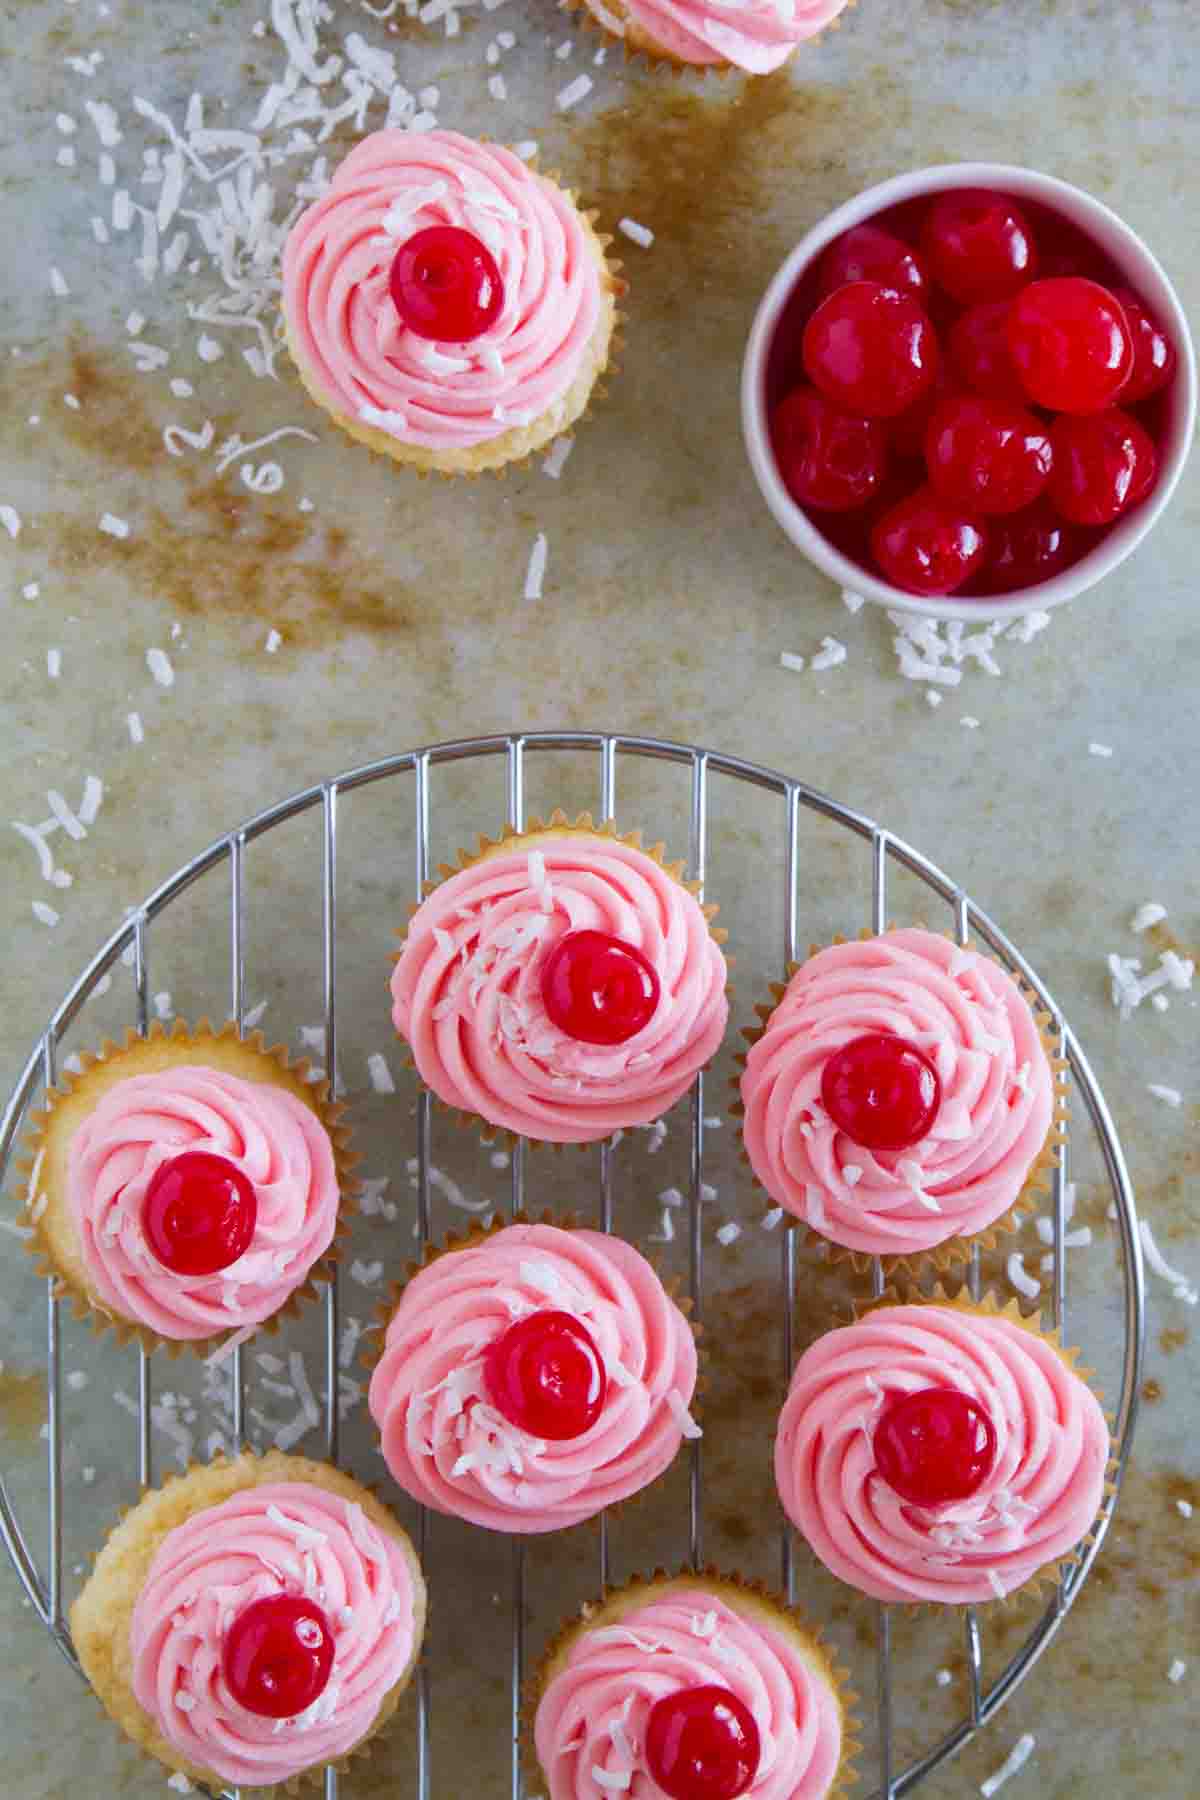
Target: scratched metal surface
(668, 598)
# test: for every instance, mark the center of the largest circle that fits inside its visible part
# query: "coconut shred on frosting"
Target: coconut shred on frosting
(755, 35)
(350, 339)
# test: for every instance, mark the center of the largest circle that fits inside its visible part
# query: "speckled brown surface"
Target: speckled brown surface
(668, 597)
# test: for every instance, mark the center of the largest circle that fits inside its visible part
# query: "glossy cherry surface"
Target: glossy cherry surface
(978, 353)
(702, 1744)
(1027, 548)
(870, 349)
(829, 460)
(1070, 344)
(1154, 355)
(198, 1213)
(546, 1375)
(868, 253)
(935, 1446)
(1103, 465)
(277, 1656)
(987, 455)
(445, 284)
(599, 989)
(978, 246)
(882, 1092)
(928, 546)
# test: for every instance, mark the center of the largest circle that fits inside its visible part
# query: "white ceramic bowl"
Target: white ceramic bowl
(1138, 268)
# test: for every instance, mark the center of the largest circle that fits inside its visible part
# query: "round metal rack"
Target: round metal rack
(410, 771)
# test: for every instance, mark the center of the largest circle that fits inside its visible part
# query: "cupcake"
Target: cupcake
(692, 1685)
(752, 35)
(531, 1376)
(252, 1621)
(561, 984)
(945, 1451)
(900, 1099)
(445, 304)
(188, 1184)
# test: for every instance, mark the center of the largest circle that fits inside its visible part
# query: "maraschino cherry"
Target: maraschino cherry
(986, 455)
(1103, 465)
(278, 1654)
(1027, 548)
(702, 1744)
(599, 989)
(445, 284)
(870, 349)
(1070, 344)
(1154, 355)
(934, 1447)
(868, 253)
(199, 1213)
(928, 545)
(979, 355)
(978, 246)
(546, 1376)
(882, 1092)
(829, 459)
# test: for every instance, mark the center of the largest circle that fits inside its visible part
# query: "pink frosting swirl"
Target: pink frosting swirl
(283, 1538)
(970, 1018)
(447, 1445)
(277, 1142)
(467, 989)
(755, 35)
(1038, 1501)
(591, 1720)
(349, 336)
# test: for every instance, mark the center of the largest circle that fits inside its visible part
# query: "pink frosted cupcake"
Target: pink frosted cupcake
(753, 35)
(945, 1451)
(899, 1098)
(531, 1376)
(188, 1184)
(445, 304)
(562, 984)
(252, 1621)
(693, 1685)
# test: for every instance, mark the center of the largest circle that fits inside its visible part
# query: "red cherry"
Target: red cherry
(702, 1744)
(1103, 465)
(865, 253)
(987, 456)
(598, 989)
(278, 1654)
(906, 432)
(1071, 344)
(199, 1213)
(978, 246)
(927, 546)
(1154, 356)
(1027, 548)
(546, 1376)
(978, 350)
(935, 1446)
(445, 284)
(870, 349)
(881, 1091)
(828, 459)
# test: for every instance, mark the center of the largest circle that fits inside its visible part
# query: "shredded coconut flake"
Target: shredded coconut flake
(1177, 1671)
(636, 233)
(682, 1417)
(1169, 1095)
(556, 461)
(112, 526)
(1016, 1759)
(1020, 1278)
(574, 92)
(536, 572)
(1100, 750)
(380, 1074)
(159, 665)
(729, 1233)
(1149, 913)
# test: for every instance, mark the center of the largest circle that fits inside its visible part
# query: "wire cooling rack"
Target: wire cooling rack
(708, 772)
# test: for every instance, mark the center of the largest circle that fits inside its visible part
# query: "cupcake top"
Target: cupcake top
(496, 957)
(201, 1201)
(595, 1729)
(284, 1593)
(755, 35)
(939, 1452)
(352, 342)
(479, 1336)
(968, 1094)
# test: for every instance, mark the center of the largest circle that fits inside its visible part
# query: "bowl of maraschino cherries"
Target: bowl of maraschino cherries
(969, 392)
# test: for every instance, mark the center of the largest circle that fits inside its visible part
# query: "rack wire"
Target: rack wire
(45, 1591)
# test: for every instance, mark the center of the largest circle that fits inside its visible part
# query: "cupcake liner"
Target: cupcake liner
(557, 825)
(751, 1596)
(165, 1047)
(374, 1336)
(271, 1466)
(953, 1250)
(1036, 1588)
(639, 45)
(516, 446)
